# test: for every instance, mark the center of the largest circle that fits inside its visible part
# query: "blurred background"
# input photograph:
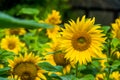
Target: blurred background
(105, 11)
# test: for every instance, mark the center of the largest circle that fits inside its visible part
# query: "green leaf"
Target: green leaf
(68, 77)
(115, 42)
(3, 70)
(106, 29)
(115, 64)
(29, 11)
(47, 66)
(1, 78)
(57, 77)
(82, 67)
(87, 77)
(95, 64)
(7, 21)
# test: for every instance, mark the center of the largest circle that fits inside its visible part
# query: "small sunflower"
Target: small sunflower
(1, 66)
(115, 75)
(117, 54)
(53, 18)
(58, 57)
(11, 43)
(116, 28)
(17, 31)
(100, 76)
(103, 61)
(25, 67)
(82, 40)
(116, 34)
(53, 31)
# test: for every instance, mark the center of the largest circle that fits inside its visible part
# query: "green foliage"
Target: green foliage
(87, 77)
(68, 77)
(7, 21)
(29, 11)
(4, 70)
(47, 66)
(115, 65)
(105, 29)
(1, 78)
(115, 42)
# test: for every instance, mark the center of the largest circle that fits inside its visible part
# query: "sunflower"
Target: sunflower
(25, 67)
(116, 34)
(11, 43)
(58, 57)
(115, 75)
(82, 40)
(116, 28)
(1, 66)
(53, 31)
(17, 31)
(100, 76)
(103, 61)
(117, 54)
(53, 18)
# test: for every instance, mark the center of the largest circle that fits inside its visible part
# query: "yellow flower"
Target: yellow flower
(58, 57)
(100, 76)
(115, 75)
(15, 77)
(53, 18)
(11, 43)
(116, 28)
(82, 40)
(116, 34)
(53, 32)
(26, 68)
(102, 62)
(17, 31)
(1, 65)
(117, 54)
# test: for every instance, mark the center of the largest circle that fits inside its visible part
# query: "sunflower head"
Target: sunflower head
(25, 67)
(116, 54)
(115, 75)
(52, 32)
(58, 58)
(53, 18)
(82, 40)
(17, 31)
(116, 28)
(100, 76)
(1, 66)
(11, 43)
(103, 61)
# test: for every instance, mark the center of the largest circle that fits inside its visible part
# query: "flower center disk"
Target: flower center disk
(25, 70)
(81, 41)
(11, 45)
(60, 60)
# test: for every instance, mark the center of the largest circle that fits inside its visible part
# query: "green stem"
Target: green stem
(109, 57)
(108, 73)
(77, 70)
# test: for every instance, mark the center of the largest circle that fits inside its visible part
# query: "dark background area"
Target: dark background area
(105, 11)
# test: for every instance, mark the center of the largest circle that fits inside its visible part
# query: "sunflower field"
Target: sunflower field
(45, 47)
